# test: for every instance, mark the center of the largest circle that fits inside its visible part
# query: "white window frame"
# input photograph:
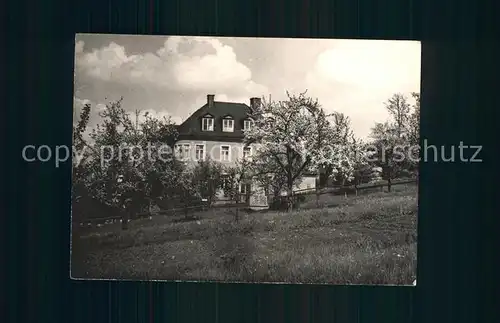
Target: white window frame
(250, 154)
(247, 124)
(196, 151)
(229, 128)
(183, 151)
(228, 154)
(209, 125)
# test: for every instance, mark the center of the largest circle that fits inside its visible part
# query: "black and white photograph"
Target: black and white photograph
(245, 160)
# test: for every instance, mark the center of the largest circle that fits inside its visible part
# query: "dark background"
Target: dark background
(456, 280)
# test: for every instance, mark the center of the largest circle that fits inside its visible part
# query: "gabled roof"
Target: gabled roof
(191, 127)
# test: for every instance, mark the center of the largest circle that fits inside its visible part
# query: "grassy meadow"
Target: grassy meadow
(365, 239)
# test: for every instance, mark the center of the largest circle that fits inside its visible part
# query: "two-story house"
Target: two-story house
(216, 131)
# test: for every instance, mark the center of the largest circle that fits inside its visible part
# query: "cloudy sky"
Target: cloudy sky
(171, 76)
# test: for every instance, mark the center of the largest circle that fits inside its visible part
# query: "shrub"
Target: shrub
(280, 203)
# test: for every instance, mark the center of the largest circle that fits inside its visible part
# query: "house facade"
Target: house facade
(216, 131)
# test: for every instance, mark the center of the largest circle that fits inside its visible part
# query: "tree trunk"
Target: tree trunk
(125, 219)
(289, 196)
(323, 178)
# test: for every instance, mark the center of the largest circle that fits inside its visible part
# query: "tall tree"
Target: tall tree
(414, 120)
(391, 139)
(339, 165)
(400, 112)
(414, 135)
(288, 136)
(127, 159)
(238, 175)
(360, 169)
(207, 178)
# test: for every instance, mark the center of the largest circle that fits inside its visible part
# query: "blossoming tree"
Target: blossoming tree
(293, 137)
(125, 164)
(395, 142)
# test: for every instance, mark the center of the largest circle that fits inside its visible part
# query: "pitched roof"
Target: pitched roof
(191, 127)
(236, 110)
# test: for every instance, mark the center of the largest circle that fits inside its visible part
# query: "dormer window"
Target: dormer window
(207, 123)
(247, 124)
(228, 124)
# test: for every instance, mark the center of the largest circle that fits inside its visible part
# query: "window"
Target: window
(225, 153)
(182, 151)
(228, 125)
(207, 124)
(247, 124)
(244, 188)
(200, 152)
(247, 152)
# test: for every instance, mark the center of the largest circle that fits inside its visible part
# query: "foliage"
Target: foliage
(291, 138)
(281, 203)
(236, 176)
(361, 169)
(394, 140)
(347, 164)
(207, 179)
(414, 133)
(414, 121)
(127, 163)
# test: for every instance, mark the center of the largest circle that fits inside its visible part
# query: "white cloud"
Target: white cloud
(357, 76)
(169, 68)
(160, 115)
(80, 102)
(351, 76)
(370, 64)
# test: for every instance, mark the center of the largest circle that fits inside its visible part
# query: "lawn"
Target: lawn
(367, 239)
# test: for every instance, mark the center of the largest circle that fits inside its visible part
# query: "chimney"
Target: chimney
(254, 103)
(210, 100)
